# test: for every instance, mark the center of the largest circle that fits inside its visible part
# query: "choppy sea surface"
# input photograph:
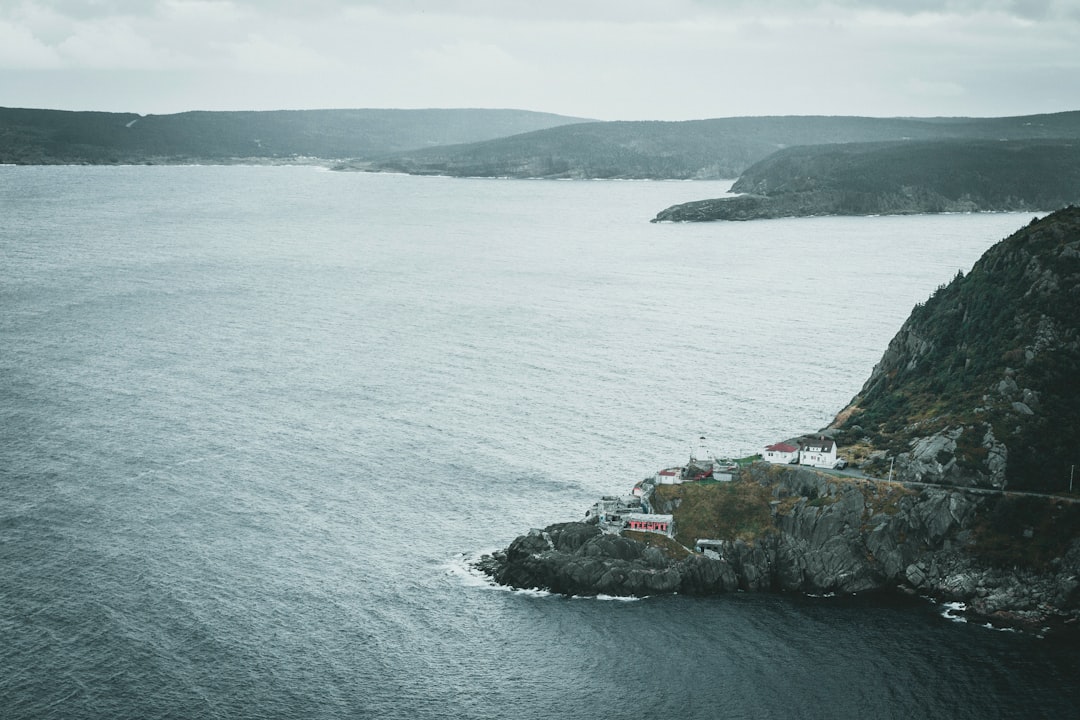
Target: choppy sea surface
(256, 421)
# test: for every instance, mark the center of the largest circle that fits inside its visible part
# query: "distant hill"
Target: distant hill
(900, 178)
(981, 385)
(29, 136)
(698, 149)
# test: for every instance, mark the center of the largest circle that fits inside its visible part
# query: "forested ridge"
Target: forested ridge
(29, 136)
(900, 178)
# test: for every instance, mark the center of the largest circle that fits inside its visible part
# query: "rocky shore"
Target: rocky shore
(829, 534)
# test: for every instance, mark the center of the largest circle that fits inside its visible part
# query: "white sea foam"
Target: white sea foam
(954, 611)
(991, 626)
(530, 592)
(463, 568)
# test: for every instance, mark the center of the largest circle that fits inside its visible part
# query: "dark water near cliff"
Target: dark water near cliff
(255, 421)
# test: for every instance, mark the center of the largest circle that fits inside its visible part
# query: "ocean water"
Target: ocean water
(255, 422)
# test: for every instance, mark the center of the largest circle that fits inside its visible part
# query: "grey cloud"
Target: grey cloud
(622, 11)
(1030, 9)
(568, 10)
(82, 10)
(610, 11)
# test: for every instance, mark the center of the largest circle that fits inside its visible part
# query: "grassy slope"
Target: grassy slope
(718, 510)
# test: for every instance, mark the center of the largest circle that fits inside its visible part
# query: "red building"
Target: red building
(650, 523)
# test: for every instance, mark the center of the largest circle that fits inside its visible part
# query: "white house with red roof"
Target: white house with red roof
(782, 453)
(669, 476)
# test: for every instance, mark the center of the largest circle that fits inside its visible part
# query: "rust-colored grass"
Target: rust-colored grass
(736, 510)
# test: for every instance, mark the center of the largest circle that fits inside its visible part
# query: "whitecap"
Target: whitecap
(529, 592)
(954, 611)
(991, 626)
(463, 567)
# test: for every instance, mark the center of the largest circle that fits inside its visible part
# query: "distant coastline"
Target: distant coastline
(476, 143)
(899, 179)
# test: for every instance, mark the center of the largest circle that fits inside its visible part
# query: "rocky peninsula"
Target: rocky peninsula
(964, 437)
(796, 529)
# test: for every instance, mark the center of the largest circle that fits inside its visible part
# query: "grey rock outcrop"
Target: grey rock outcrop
(935, 459)
(579, 559)
(932, 459)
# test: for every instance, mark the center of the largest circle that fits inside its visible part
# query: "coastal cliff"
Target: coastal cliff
(979, 386)
(827, 534)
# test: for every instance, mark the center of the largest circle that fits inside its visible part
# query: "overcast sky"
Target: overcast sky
(604, 59)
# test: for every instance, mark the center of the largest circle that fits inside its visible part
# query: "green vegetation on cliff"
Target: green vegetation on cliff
(982, 383)
(1028, 532)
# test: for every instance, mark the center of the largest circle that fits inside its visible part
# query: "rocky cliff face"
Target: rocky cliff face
(979, 387)
(579, 559)
(830, 535)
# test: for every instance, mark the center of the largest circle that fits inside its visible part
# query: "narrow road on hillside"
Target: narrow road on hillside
(857, 475)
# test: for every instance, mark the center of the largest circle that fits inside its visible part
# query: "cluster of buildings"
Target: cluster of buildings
(632, 512)
(703, 465)
(629, 513)
(615, 514)
(812, 450)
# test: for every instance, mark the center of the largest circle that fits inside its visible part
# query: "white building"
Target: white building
(612, 510)
(782, 453)
(669, 476)
(710, 548)
(817, 451)
(700, 454)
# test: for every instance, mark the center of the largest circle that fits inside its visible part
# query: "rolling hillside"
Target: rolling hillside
(30, 136)
(899, 178)
(699, 149)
